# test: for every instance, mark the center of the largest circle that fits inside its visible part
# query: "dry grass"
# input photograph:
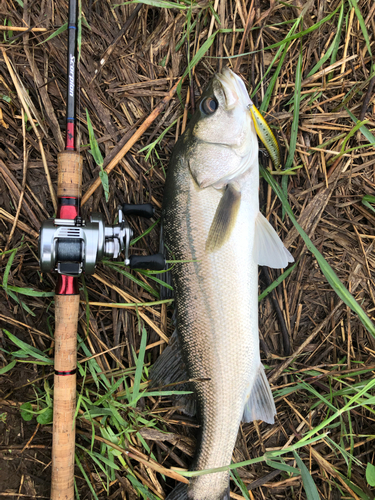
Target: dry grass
(140, 67)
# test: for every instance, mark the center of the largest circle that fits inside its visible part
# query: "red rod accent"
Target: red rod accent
(64, 374)
(67, 211)
(70, 136)
(67, 285)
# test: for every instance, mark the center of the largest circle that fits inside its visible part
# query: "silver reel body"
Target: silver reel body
(71, 247)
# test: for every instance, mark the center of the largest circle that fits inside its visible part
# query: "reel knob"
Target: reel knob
(155, 262)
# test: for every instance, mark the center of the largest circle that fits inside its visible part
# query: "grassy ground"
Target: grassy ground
(309, 68)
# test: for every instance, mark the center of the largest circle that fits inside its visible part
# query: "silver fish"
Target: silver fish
(211, 218)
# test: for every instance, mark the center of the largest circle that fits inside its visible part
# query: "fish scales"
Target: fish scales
(214, 176)
(219, 347)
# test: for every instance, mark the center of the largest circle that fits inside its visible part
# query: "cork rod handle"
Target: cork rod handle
(64, 397)
(69, 182)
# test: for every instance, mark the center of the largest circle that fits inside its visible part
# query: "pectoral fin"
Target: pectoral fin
(268, 248)
(225, 217)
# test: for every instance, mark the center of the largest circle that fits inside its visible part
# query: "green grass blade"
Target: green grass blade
(149, 148)
(355, 488)
(195, 60)
(367, 199)
(165, 393)
(29, 291)
(343, 151)
(356, 127)
(354, 4)
(142, 489)
(79, 30)
(140, 283)
(93, 364)
(94, 148)
(297, 100)
(282, 466)
(319, 396)
(163, 4)
(351, 404)
(333, 46)
(327, 143)
(157, 280)
(141, 304)
(8, 268)
(97, 155)
(60, 30)
(370, 474)
(20, 302)
(104, 179)
(336, 46)
(86, 478)
(109, 393)
(139, 365)
(365, 131)
(294, 128)
(257, 460)
(297, 35)
(347, 151)
(240, 484)
(148, 230)
(308, 482)
(328, 272)
(8, 367)
(99, 459)
(29, 350)
(267, 96)
(272, 83)
(277, 282)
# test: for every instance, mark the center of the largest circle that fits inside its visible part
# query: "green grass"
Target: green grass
(109, 401)
(95, 151)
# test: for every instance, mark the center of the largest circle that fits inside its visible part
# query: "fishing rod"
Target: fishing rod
(71, 246)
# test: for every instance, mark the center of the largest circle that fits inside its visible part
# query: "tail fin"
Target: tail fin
(181, 493)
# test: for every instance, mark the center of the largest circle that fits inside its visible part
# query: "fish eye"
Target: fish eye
(209, 105)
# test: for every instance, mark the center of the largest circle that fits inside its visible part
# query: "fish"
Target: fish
(213, 228)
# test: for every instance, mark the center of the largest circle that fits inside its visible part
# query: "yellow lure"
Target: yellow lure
(265, 134)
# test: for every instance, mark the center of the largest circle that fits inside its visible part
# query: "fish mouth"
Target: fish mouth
(234, 89)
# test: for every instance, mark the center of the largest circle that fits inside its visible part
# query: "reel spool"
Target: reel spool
(74, 246)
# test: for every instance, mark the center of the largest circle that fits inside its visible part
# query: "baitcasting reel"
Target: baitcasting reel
(73, 246)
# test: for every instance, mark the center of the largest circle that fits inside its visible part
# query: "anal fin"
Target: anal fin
(268, 249)
(260, 405)
(224, 218)
(169, 369)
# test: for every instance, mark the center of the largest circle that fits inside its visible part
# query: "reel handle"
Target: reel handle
(155, 262)
(143, 210)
